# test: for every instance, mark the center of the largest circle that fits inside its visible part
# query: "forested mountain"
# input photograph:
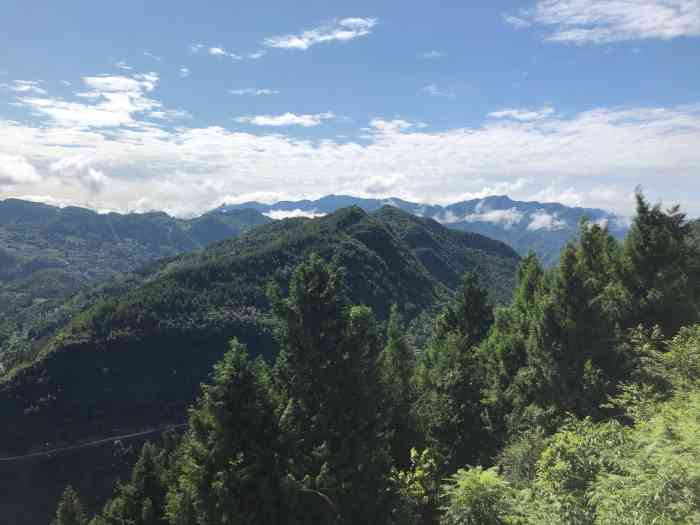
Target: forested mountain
(48, 254)
(577, 403)
(541, 227)
(135, 360)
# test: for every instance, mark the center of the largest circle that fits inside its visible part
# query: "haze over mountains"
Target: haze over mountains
(540, 227)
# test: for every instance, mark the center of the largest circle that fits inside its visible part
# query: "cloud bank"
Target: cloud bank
(110, 145)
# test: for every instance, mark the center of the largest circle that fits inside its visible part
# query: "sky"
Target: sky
(182, 106)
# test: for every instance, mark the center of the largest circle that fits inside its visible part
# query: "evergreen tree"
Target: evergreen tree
(556, 349)
(228, 469)
(396, 369)
(141, 500)
(331, 416)
(662, 268)
(70, 510)
(450, 379)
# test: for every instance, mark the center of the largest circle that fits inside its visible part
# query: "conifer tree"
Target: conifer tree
(70, 510)
(396, 369)
(228, 469)
(141, 500)
(333, 427)
(662, 268)
(450, 379)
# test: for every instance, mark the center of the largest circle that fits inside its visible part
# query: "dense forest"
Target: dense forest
(50, 259)
(135, 358)
(578, 402)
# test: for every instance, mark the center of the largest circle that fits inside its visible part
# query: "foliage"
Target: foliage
(449, 379)
(48, 255)
(140, 501)
(327, 378)
(70, 510)
(578, 403)
(420, 485)
(659, 482)
(228, 470)
(476, 496)
(396, 369)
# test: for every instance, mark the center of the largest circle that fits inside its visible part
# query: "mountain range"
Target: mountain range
(136, 349)
(49, 255)
(541, 227)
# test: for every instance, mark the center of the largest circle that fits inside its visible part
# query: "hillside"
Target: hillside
(48, 254)
(541, 227)
(136, 360)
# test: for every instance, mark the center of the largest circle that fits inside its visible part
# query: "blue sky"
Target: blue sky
(181, 106)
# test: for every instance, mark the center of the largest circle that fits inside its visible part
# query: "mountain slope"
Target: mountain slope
(526, 226)
(48, 254)
(136, 360)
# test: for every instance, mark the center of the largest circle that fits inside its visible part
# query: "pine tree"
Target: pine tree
(326, 375)
(70, 510)
(228, 469)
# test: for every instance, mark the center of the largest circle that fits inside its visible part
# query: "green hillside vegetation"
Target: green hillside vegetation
(578, 403)
(136, 359)
(48, 255)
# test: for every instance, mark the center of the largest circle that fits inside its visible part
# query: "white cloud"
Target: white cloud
(25, 86)
(123, 65)
(80, 168)
(187, 169)
(170, 114)
(288, 214)
(218, 51)
(605, 21)
(287, 119)
(390, 126)
(255, 92)
(523, 114)
(16, 170)
(541, 220)
(256, 55)
(185, 72)
(196, 48)
(516, 21)
(496, 188)
(383, 184)
(117, 100)
(432, 54)
(507, 218)
(338, 30)
(151, 55)
(435, 91)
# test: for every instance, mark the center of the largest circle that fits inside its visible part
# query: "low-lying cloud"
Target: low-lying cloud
(541, 220)
(288, 214)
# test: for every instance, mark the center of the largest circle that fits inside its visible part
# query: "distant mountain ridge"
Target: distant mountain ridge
(49, 254)
(541, 227)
